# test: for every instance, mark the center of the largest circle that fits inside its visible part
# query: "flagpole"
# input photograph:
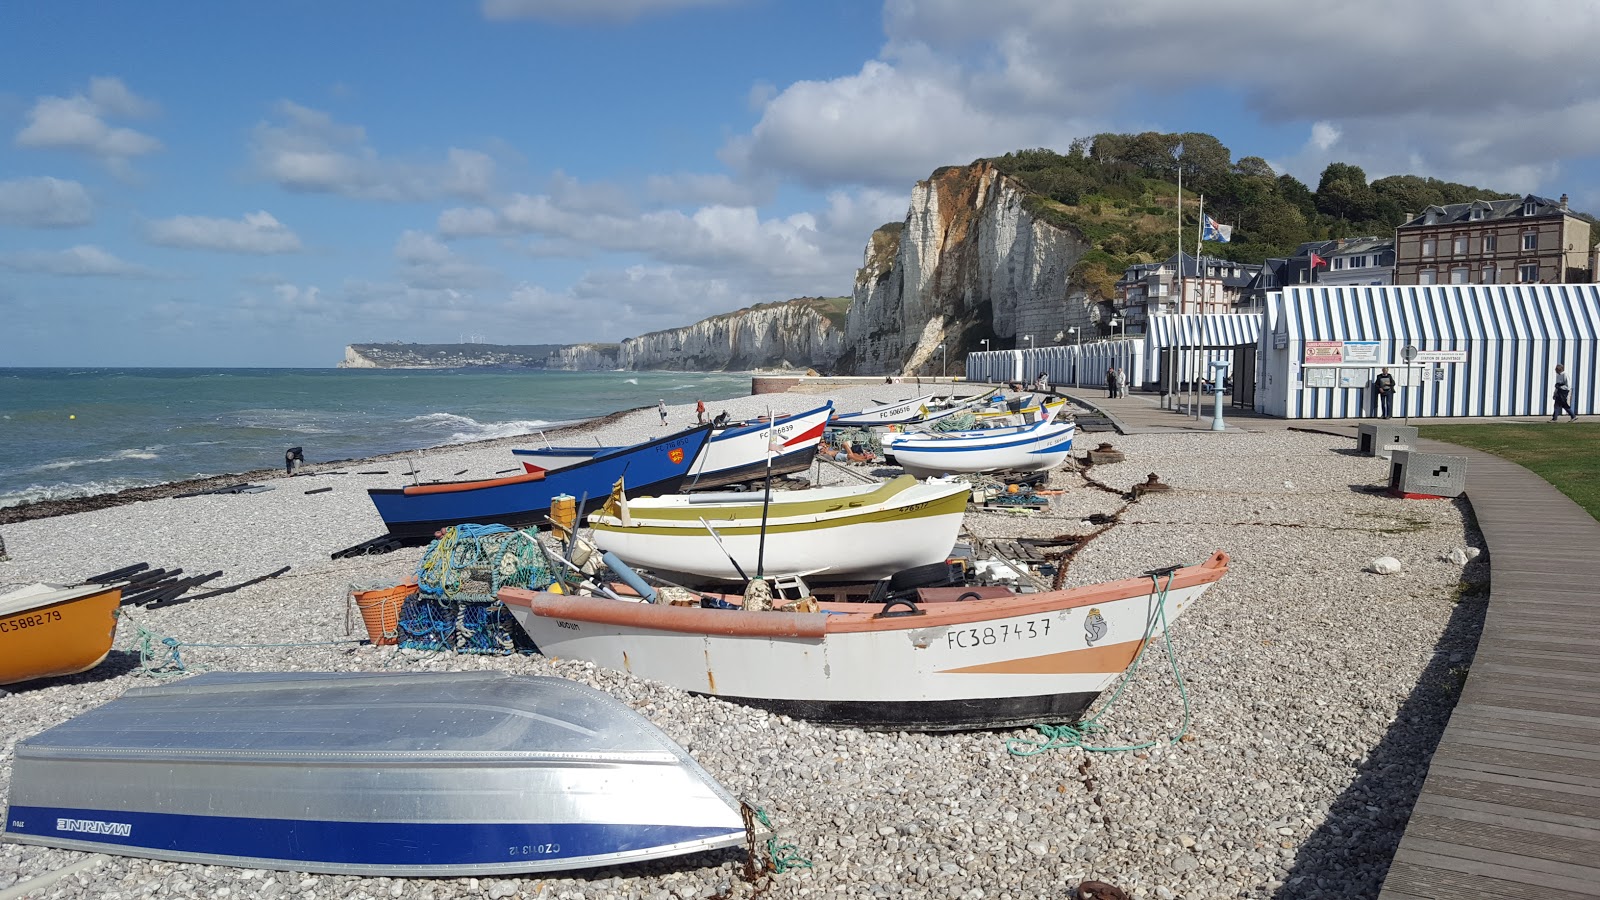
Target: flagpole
(1200, 306)
(1171, 371)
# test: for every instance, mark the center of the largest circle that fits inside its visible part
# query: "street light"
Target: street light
(944, 360)
(985, 343)
(1029, 339)
(1077, 357)
(1115, 321)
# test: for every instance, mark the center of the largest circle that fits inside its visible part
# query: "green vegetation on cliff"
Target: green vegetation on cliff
(1120, 192)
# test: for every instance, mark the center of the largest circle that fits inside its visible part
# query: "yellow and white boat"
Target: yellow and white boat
(47, 630)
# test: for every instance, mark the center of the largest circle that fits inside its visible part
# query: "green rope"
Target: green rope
(784, 856)
(167, 662)
(1057, 737)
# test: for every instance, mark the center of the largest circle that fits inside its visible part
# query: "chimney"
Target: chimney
(1563, 202)
(1338, 244)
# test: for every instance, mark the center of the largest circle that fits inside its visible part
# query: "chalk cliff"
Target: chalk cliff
(584, 358)
(801, 333)
(969, 262)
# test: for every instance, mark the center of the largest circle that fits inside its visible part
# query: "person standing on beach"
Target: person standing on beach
(1563, 395)
(1122, 382)
(661, 407)
(1385, 386)
(699, 412)
(1111, 381)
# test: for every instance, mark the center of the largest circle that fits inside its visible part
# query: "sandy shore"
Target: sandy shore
(1316, 689)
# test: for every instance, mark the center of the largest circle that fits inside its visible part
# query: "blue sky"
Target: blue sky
(228, 184)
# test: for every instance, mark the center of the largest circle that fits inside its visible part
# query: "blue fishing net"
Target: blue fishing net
(456, 606)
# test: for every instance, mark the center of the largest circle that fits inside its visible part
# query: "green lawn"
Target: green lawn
(1566, 454)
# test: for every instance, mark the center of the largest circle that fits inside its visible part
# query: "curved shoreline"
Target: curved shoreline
(45, 509)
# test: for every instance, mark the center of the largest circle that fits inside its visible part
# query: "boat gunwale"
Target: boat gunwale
(851, 618)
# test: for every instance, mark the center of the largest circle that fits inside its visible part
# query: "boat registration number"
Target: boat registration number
(33, 620)
(533, 849)
(1005, 632)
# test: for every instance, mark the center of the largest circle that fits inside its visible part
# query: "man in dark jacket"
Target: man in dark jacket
(1385, 385)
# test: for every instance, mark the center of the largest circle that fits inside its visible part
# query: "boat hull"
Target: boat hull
(888, 414)
(985, 663)
(732, 456)
(1035, 448)
(413, 514)
(46, 633)
(397, 775)
(913, 527)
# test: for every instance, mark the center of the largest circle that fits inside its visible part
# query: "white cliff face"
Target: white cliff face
(584, 358)
(354, 360)
(968, 259)
(778, 335)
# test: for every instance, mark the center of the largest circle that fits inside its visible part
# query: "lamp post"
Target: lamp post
(944, 360)
(1029, 339)
(1077, 357)
(1115, 322)
(985, 343)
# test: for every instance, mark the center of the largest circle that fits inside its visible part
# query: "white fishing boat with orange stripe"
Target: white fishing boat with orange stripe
(933, 666)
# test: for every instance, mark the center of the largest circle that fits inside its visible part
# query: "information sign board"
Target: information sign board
(1325, 376)
(1441, 356)
(1361, 351)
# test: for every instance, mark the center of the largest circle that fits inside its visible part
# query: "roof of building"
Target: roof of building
(1489, 211)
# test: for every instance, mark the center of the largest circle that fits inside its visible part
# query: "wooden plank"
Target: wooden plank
(1417, 874)
(1490, 863)
(1536, 840)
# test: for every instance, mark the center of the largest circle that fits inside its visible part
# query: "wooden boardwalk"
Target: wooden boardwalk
(1511, 805)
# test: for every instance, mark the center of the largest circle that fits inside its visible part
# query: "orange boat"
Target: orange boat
(47, 630)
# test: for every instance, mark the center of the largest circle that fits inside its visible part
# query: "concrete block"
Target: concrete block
(1381, 439)
(1414, 474)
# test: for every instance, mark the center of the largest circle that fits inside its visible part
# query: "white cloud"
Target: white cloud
(1460, 94)
(305, 150)
(426, 262)
(692, 189)
(588, 10)
(79, 123)
(82, 260)
(44, 202)
(257, 232)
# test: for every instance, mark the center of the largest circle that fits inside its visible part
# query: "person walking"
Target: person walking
(661, 407)
(1111, 381)
(699, 412)
(1563, 395)
(1122, 382)
(1384, 384)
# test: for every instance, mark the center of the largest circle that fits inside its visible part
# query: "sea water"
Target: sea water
(76, 432)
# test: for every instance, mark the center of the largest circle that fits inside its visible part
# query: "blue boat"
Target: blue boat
(413, 513)
(736, 453)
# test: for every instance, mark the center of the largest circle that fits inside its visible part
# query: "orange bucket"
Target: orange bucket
(380, 611)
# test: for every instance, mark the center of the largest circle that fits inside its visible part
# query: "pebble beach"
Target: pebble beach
(1314, 689)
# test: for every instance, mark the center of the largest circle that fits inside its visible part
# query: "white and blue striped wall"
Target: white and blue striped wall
(1068, 364)
(1513, 336)
(1192, 341)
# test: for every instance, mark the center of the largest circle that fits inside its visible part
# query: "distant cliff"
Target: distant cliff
(585, 358)
(806, 332)
(446, 356)
(969, 262)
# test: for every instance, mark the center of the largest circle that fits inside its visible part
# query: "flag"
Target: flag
(1214, 232)
(1317, 261)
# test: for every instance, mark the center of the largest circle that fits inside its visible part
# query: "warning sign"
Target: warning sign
(1324, 353)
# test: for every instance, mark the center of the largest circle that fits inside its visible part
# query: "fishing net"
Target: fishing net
(961, 421)
(456, 607)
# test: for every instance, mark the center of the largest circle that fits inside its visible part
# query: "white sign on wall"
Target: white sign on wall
(1441, 356)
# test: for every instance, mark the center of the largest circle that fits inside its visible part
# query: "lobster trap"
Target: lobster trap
(456, 607)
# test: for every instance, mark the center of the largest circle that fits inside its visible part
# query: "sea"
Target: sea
(72, 432)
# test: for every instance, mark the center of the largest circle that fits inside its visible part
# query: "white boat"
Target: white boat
(380, 774)
(863, 532)
(1028, 448)
(733, 455)
(897, 413)
(976, 663)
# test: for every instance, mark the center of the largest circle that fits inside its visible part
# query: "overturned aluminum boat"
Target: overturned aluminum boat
(369, 774)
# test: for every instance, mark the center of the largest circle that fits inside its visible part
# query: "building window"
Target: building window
(1338, 262)
(1460, 244)
(1427, 246)
(1488, 274)
(1428, 276)
(1358, 262)
(1458, 275)
(1530, 240)
(1528, 273)
(1528, 208)
(1488, 243)
(1477, 213)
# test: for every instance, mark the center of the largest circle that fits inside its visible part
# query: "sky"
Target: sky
(260, 184)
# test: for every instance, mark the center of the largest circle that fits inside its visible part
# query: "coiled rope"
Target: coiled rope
(1058, 737)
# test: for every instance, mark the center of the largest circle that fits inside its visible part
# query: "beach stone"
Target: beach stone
(1385, 565)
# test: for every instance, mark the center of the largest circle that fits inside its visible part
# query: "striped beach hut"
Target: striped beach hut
(1184, 345)
(1482, 349)
(1067, 364)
